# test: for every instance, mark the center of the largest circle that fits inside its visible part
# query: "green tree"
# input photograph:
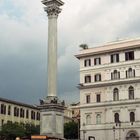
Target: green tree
(71, 130)
(11, 130)
(31, 129)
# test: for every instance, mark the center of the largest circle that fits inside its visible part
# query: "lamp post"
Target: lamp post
(119, 130)
(84, 131)
(78, 128)
(114, 132)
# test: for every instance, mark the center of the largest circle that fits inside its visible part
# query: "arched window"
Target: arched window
(88, 119)
(132, 135)
(98, 119)
(115, 75)
(132, 117)
(116, 118)
(130, 73)
(115, 94)
(131, 92)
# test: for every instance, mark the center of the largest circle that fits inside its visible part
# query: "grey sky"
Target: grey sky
(23, 42)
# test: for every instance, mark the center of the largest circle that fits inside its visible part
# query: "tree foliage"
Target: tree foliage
(71, 130)
(11, 130)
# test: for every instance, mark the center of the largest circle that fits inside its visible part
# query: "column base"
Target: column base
(52, 117)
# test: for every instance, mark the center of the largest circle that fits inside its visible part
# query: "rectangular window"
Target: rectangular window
(88, 99)
(98, 119)
(129, 55)
(87, 79)
(97, 61)
(97, 77)
(9, 110)
(32, 115)
(87, 62)
(37, 116)
(3, 109)
(21, 112)
(17, 112)
(114, 58)
(2, 122)
(98, 98)
(27, 114)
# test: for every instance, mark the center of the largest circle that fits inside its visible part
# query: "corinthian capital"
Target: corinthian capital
(52, 7)
(52, 10)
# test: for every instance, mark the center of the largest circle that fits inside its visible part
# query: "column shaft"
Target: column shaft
(52, 55)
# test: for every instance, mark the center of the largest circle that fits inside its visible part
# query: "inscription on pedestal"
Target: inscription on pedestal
(59, 122)
(46, 125)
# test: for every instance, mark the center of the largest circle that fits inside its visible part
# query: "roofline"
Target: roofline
(18, 103)
(84, 53)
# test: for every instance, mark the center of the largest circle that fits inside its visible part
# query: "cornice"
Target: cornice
(18, 103)
(50, 2)
(107, 66)
(109, 83)
(110, 104)
(91, 52)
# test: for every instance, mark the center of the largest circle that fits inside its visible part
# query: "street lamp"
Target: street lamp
(84, 131)
(114, 132)
(119, 130)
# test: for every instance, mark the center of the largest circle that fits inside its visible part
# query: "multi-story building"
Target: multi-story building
(110, 91)
(18, 112)
(67, 114)
(24, 113)
(72, 113)
(75, 111)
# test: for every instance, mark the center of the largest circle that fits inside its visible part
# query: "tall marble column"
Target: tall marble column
(52, 9)
(52, 109)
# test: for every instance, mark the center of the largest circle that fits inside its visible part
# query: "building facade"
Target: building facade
(110, 91)
(67, 114)
(72, 113)
(14, 111)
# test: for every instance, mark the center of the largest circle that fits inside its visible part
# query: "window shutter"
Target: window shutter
(126, 56)
(119, 75)
(111, 58)
(100, 77)
(99, 60)
(134, 73)
(89, 62)
(95, 61)
(117, 55)
(95, 78)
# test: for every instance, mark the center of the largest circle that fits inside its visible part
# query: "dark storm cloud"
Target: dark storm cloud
(23, 42)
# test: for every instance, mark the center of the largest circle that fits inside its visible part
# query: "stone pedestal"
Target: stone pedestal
(52, 117)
